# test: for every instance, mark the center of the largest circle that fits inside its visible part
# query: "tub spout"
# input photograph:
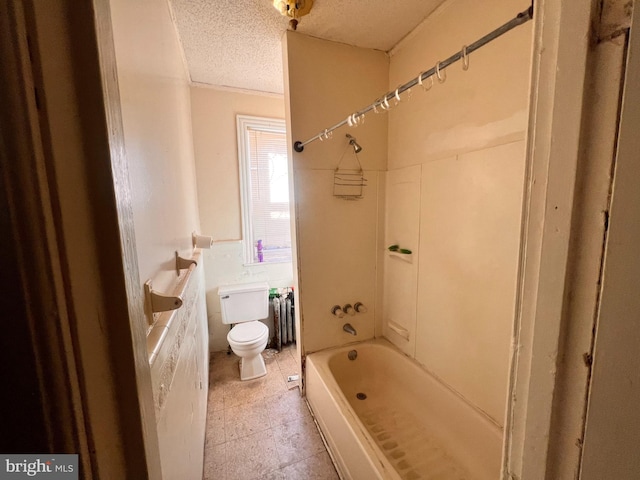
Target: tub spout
(347, 327)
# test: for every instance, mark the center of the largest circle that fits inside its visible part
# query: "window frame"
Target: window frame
(243, 123)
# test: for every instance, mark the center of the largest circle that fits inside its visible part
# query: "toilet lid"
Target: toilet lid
(248, 332)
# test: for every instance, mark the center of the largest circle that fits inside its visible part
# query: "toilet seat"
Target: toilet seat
(248, 340)
(248, 335)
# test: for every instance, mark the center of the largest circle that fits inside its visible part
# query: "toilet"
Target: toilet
(244, 306)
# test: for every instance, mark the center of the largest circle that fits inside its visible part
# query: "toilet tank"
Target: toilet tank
(244, 303)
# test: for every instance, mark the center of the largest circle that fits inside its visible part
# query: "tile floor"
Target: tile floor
(262, 428)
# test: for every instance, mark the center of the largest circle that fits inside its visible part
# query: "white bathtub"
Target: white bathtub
(410, 426)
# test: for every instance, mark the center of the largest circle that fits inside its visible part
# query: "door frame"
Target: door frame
(564, 33)
(560, 51)
(72, 229)
(612, 423)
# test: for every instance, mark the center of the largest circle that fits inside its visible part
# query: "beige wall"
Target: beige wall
(216, 153)
(454, 195)
(337, 239)
(216, 150)
(482, 107)
(156, 116)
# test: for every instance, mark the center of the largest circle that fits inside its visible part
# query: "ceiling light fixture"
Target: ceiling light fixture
(294, 9)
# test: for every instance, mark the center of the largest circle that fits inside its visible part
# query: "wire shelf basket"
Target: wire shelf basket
(348, 184)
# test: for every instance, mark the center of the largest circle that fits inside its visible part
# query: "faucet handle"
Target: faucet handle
(359, 307)
(348, 309)
(337, 311)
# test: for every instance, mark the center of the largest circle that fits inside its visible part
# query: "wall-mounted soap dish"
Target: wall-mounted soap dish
(407, 257)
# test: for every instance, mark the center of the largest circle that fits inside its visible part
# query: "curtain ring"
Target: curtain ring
(441, 78)
(361, 119)
(397, 95)
(422, 85)
(465, 58)
(350, 121)
(356, 120)
(375, 108)
(385, 102)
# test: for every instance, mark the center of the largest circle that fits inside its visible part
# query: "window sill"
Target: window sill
(257, 264)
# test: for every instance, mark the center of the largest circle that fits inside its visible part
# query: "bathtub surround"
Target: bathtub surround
(465, 165)
(469, 241)
(474, 109)
(337, 239)
(451, 194)
(402, 222)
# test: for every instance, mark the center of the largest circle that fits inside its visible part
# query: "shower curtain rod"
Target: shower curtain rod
(383, 102)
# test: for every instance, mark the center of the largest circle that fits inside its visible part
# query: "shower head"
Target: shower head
(352, 141)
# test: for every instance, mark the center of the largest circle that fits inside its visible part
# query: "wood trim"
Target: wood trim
(73, 228)
(137, 327)
(31, 208)
(243, 124)
(612, 430)
(561, 44)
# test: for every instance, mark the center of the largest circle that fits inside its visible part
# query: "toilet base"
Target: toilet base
(251, 368)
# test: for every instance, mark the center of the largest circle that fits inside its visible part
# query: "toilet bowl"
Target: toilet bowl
(248, 340)
(243, 306)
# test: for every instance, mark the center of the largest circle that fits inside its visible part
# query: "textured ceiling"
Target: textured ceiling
(236, 43)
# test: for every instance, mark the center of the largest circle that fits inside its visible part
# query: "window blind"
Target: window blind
(269, 184)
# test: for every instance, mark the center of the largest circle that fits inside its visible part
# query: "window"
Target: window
(264, 187)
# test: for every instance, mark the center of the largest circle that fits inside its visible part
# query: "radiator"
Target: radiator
(282, 312)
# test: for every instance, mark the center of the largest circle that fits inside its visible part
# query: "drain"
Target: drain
(361, 396)
(353, 354)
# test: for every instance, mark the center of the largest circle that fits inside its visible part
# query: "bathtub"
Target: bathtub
(384, 417)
